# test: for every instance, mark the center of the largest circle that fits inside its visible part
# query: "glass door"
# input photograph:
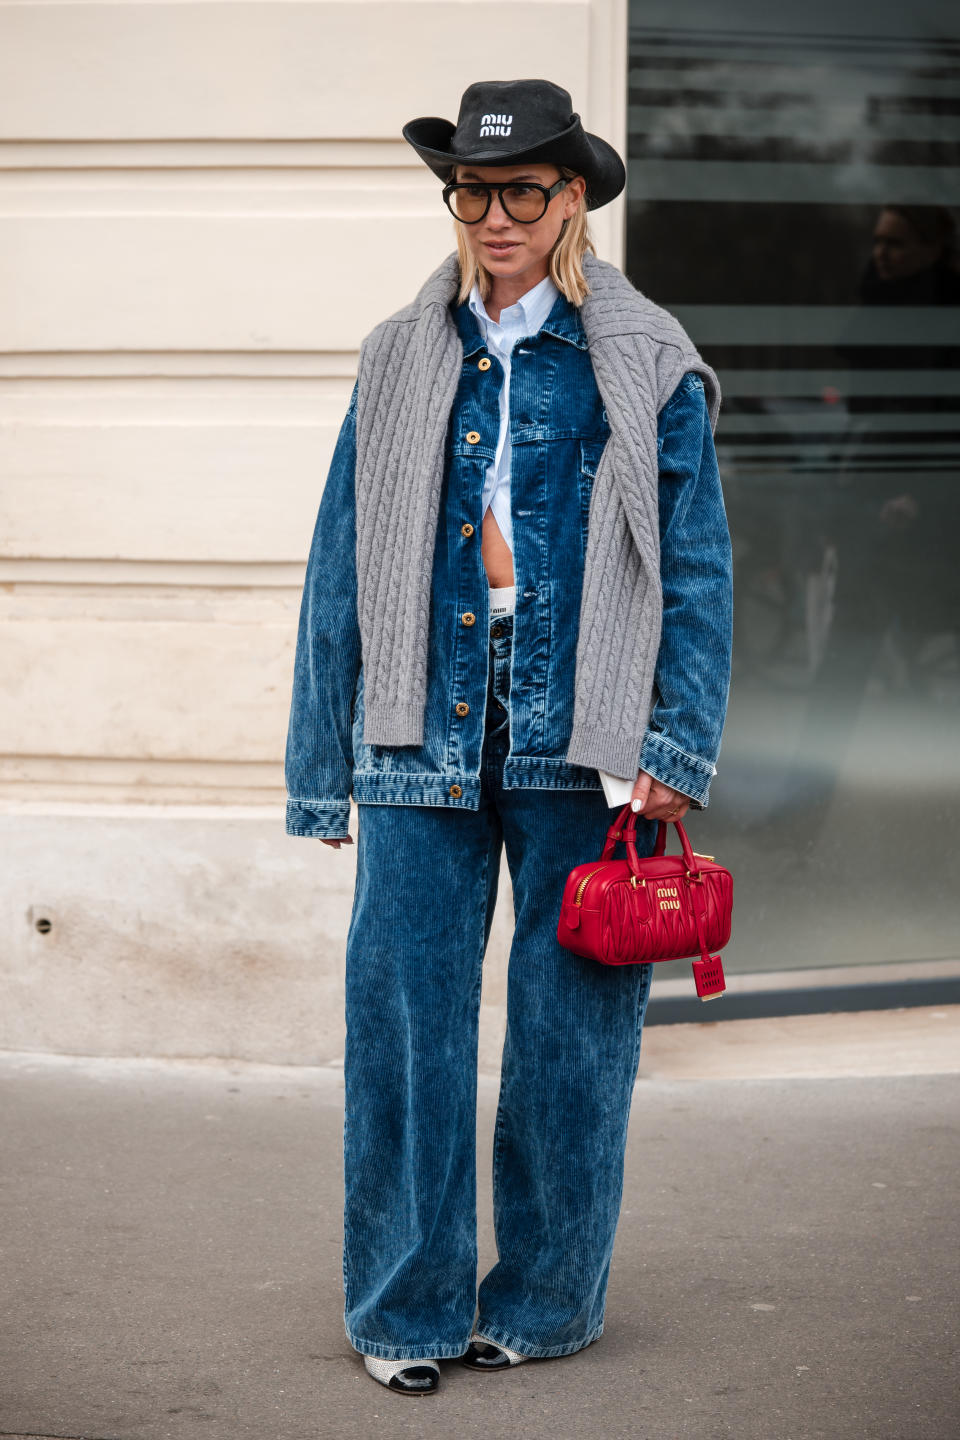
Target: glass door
(793, 178)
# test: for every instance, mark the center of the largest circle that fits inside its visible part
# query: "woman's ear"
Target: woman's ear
(573, 194)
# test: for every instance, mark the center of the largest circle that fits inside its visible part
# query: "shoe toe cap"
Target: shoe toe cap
(415, 1380)
(481, 1356)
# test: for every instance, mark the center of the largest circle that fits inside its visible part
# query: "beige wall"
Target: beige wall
(194, 202)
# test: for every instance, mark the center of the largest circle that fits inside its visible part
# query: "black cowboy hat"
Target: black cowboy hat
(506, 122)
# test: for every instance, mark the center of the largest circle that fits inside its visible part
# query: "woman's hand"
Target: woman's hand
(347, 840)
(658, 802)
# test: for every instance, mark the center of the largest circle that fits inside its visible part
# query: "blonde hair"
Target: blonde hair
(566, 269)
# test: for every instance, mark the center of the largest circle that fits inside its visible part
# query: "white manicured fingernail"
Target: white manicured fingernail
(634, 805)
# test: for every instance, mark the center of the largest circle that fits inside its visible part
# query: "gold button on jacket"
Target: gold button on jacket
(456, 791)
(483, 364)
(468, 617)
(473, 437)
(462, 708)
(466, 529)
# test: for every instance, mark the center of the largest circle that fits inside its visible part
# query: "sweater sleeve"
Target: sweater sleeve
(319, 750)
(692, 676)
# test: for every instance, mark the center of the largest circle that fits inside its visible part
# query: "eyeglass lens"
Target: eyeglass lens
(521, 202)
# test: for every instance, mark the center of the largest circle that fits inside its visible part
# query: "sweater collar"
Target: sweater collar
(626, 310)
(608, 286)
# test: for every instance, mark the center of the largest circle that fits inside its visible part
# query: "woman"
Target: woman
(518, 593)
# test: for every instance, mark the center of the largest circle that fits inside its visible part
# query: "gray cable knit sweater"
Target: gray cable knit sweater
(408, 375)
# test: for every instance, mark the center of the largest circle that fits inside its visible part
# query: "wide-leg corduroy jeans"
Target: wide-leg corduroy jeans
(425, 894)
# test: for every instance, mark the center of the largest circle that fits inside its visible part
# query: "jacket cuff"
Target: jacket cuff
(319, 819)
(674, 767)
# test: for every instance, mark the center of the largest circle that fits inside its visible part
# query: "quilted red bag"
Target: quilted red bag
(663, 907)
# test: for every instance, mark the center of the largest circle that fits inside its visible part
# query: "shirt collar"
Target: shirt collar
(533, 307)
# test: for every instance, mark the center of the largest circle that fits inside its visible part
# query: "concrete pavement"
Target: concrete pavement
(786, 1265)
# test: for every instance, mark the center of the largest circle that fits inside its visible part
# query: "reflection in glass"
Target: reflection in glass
(792, 194)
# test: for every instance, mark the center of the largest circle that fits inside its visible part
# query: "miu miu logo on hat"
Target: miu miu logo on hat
(496, 124)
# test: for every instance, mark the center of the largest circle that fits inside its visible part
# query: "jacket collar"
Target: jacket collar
(563, 322)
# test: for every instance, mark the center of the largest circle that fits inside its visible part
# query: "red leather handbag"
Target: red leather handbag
(663, 907)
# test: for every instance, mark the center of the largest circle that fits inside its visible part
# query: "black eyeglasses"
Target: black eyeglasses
(525, 202)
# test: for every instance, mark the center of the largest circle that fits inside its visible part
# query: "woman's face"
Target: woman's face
(898, 251)
(506, 248)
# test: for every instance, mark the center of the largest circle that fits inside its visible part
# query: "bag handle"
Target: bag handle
(625, 828)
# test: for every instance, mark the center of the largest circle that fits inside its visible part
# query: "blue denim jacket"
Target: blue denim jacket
(558, 429)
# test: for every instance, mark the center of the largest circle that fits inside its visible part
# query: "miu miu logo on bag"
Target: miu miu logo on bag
(667, 895)
(496, 124)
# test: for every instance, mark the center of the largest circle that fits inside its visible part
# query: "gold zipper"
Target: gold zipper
(578, 897)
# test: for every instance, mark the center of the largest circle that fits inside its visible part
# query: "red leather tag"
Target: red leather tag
(571, 916)
(708, 977)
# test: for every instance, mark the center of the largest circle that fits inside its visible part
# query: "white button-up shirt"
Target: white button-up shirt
(516, 322)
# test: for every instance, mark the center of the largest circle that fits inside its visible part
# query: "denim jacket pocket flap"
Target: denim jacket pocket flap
(590, 452)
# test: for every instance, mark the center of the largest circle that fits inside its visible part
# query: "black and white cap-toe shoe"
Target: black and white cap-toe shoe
(406, 1377)
(483, 1354)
